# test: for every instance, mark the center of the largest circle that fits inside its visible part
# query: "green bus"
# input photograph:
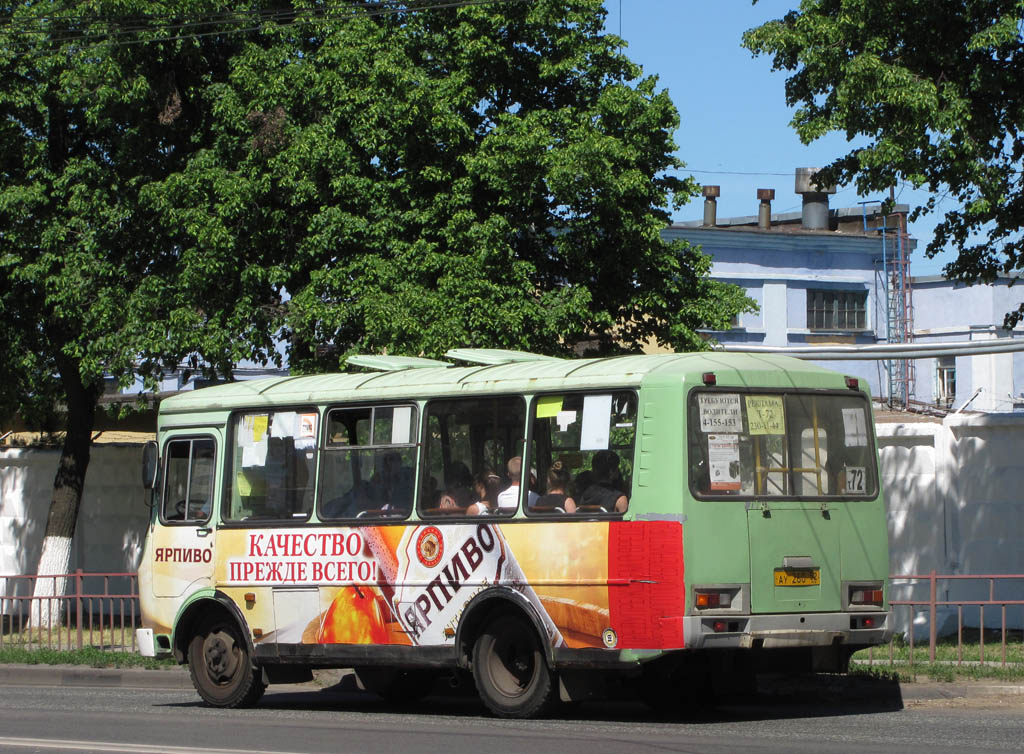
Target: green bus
(548, 527)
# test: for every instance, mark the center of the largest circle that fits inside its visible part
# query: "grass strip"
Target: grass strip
(89, 656)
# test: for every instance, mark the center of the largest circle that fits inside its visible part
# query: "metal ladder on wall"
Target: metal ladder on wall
(900, 303)
(894, 280)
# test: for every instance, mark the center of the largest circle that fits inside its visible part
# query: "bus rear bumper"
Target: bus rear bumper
(789, 630)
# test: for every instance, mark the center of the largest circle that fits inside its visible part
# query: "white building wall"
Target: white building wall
(992, 374)
(112, 519)
(953, 493)
(907, 454)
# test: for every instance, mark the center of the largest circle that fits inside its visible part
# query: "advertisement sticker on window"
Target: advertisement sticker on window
(855, 428)
(765, 415)
(548, 406)
(724, 462)
(401, 422)
(597, 412)
(284, 424)
(720, 412)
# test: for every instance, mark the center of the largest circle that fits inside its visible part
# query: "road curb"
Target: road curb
(78, 675)
(939, 690)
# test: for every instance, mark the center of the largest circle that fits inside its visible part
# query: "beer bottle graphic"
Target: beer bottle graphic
(429, 573)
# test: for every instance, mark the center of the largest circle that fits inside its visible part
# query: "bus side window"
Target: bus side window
(273, 465)
(369, 462)
(470, 446)
(188, 479)
(582, 450)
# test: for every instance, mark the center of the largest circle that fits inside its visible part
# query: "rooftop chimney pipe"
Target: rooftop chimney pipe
(815, 209)
(711, 205)
(764, 209)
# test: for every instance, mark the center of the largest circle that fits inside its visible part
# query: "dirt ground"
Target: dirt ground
(963, 695)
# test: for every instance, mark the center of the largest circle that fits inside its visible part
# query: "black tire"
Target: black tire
(510, 670)
(397, 686)
(220, 666)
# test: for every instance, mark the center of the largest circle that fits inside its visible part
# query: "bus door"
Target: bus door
(794, 559)
(797, 451)
(183, 539)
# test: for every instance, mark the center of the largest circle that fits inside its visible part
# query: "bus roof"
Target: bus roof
(737, 369)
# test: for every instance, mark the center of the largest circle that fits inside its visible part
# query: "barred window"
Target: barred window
(836, 310)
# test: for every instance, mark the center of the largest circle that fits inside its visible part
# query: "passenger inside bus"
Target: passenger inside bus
(508, 498)
(603, 493)
(557, 498)
(390, 486)
(487, 485)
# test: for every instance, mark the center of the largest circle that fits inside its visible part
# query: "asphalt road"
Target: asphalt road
(300, 720)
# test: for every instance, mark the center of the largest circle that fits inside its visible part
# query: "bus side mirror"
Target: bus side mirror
(150, 464)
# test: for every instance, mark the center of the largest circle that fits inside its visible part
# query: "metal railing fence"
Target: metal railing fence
(99, 610)
(932, 604)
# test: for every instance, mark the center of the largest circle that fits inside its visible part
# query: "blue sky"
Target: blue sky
(734, 120)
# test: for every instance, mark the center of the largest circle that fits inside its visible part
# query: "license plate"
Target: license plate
(794, 577)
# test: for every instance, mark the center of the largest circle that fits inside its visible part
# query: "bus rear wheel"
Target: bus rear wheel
(511, 674)
(222, 671)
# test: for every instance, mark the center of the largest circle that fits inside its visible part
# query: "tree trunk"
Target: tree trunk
(55, 559)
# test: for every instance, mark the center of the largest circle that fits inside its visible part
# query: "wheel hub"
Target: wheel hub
(221, 656)
(511, 668)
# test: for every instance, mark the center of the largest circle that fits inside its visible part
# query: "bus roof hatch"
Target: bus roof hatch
(393, 363)
(491, 356)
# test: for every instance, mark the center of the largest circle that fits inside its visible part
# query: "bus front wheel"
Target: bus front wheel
(511, 674)
(221, 668)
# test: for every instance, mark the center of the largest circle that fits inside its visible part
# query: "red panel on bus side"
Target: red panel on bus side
(646, 586)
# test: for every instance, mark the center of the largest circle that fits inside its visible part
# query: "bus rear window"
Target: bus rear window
(781, 444)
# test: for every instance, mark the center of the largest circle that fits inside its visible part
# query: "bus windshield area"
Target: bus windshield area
(781, 444)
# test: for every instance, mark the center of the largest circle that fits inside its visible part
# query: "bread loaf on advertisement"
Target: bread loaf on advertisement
(581, 624)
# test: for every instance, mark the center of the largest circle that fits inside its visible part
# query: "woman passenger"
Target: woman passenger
(487, 485)
(557, 495)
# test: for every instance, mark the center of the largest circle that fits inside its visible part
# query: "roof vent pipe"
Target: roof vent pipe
(815, 209)
(711, 193)
(764, 209)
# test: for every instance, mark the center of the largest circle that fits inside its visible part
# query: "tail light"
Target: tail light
(712, 600)
(866, 596)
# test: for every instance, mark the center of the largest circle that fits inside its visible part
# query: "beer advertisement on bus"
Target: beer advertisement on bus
(410, 584)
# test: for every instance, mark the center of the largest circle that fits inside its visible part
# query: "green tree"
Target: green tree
(201, 182)
(938, 89)
(93, 283)
(488, 175)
